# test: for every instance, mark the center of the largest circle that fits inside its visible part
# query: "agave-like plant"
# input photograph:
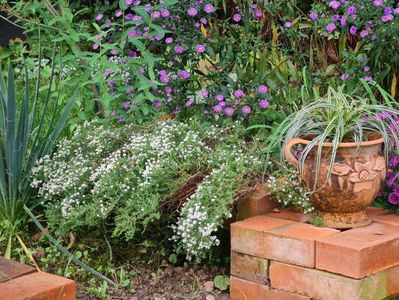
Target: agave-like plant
(337, 118)
(28, 131)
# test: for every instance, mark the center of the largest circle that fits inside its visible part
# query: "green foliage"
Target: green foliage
(113, 182)
(221, 282)
(25, 137)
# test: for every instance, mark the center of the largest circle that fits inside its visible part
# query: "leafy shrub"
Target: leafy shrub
(114, 180)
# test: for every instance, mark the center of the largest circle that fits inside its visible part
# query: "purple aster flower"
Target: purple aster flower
(331, 27)
(189, 102)
(219, 98)
(352, 10)
(238, 93)
(111, 83)
(336, 18)
(364, 33)
(262, 89)
(396, 11)
(222, 103)
(204, 93)
(393, 198)
(393, 162)
(236, 18)
(217, 108)
(373, 37)
(118, 13)
(209, 8)
(197, 25)
(156, 15)
(126, 104)
(169, 40)
(344, 76)
(258, 14)
(229, 112)
(353, 30)
(313, 16)
(129, 17)
(108, 23)
(128, 2)
(378, 3)
(192, 12)
(386, 18)
(164, 78)
(148, 7)
(114, 52)
(179, 49)
(200, 49)
(343, 21)
(184, 74)
(263, 103)
(106, 73)
(204, 21)
(288, 24)
(368, 78)
(157, 103)
(95, 46)
(334, 4)
(387, 11)
(132, 33)
(121, 120)
(168, 90)
(165, 12)
(366, 69)
(246, 109)
(99, 17)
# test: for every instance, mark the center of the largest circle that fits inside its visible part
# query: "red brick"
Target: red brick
(256, 203)
(277, 239)
(393, 281)
(10, 269)
(359, 252)
(38, 286)
(323, 285)
(376, 211)
(291, 215)
(241, 289)
(248, 267)
(389, 219)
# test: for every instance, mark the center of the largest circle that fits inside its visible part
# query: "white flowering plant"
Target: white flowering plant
(112, 181)
(285, 186)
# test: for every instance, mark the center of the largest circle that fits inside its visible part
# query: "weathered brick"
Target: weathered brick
(248, 267)
(387, 218)
(327, 286)
(241, 289)
(359, 252)
(38, 286)
(393, 281)
(291, 215)
(277, 239)
(256, 203)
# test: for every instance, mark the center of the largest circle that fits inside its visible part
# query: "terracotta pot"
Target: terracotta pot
(357, 175)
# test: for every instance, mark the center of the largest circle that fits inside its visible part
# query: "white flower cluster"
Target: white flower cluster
(204, 212)
(289, 191)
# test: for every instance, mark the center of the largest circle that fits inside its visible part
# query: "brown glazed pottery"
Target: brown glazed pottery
(357, 174)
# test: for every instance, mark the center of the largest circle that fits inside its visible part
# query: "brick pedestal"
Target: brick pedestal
(21, 282)
(280, 256)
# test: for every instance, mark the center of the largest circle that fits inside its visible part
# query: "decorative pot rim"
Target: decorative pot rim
(377, 139)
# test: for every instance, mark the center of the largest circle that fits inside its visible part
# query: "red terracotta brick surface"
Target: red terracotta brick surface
(248, 267)
(323, 285)
(291, 215)
(257, 203)
(359, 252)
(277, 239)
(389, 219)
(38, 286)
(245, 290)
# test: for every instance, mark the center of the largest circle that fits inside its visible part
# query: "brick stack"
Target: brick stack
(280, 256)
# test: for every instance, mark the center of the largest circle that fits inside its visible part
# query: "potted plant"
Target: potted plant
(341, 147)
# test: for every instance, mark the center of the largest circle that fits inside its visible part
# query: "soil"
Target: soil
(167, 282)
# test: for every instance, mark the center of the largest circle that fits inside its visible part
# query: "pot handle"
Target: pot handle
(287, 150)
